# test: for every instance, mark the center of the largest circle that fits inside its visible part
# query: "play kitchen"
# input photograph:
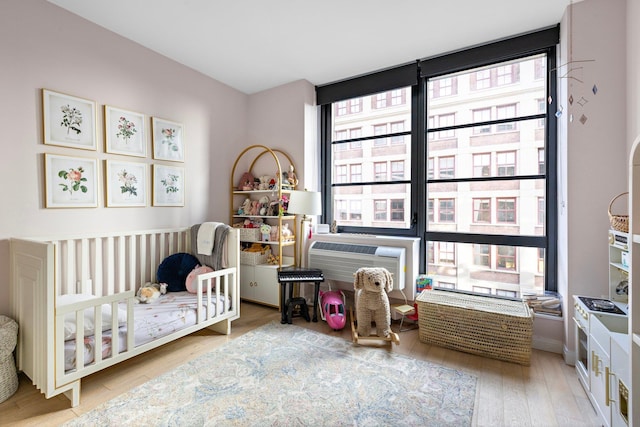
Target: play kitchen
(602, 339)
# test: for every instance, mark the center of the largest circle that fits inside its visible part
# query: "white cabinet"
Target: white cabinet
(259, 283)
(600, 369)
(620, 380)
(609, 364)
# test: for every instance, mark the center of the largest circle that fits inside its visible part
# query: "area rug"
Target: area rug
(285, 375)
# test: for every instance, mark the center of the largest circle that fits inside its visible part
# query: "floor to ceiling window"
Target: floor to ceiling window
(486, 183)
(371, 160)
(459, 150)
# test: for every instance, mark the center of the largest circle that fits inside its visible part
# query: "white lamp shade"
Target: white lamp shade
(305, 203)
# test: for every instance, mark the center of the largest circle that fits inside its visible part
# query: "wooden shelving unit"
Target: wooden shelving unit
(258, 282)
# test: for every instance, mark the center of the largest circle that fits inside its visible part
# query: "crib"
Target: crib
(109, 267)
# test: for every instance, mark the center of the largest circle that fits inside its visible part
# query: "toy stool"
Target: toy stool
(297, 307)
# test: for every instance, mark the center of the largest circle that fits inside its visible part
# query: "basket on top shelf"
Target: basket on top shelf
(618, 222)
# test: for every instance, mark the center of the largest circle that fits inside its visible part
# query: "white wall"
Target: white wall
(43, 46)
(280, 118)
(285, 117)
(593, 156)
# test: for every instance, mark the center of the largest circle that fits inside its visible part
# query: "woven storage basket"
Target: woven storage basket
(253, 258)
(8, 373)
(250, 234)
(491, 327)
(618, 222)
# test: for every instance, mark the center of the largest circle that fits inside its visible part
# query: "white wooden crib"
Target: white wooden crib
(110, 266)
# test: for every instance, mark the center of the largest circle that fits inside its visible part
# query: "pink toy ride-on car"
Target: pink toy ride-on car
(332, 309)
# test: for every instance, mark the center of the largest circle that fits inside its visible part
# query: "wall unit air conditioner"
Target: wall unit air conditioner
(339, 261)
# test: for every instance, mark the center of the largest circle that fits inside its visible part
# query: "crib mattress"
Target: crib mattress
(170, 313)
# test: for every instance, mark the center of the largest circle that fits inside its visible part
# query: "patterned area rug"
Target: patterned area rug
(288, 375)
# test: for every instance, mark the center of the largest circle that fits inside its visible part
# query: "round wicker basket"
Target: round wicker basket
(8, 373)
(618, 222)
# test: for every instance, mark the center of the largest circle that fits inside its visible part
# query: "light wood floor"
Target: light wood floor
(547, 393)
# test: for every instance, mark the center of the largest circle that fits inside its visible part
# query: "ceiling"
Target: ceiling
(253, 45)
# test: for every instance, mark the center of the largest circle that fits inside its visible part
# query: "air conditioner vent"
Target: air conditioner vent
(340, 261)
(346, 247)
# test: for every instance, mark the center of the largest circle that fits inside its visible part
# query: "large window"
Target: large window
(372, 168)
(458, 150)
(497, 240)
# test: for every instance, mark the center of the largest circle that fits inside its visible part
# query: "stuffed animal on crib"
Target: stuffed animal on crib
(191, 283)
(150, 292)
(371, 285)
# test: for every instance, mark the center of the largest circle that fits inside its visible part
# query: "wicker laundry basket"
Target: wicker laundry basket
(8, 373)
(492, 327)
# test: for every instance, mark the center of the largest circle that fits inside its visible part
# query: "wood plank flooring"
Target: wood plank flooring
(545, 394)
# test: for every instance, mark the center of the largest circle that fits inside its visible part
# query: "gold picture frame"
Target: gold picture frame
(70, 182)
(168, 185)
(168, 140)
(125, 184)
(68, 121)
(124, 132)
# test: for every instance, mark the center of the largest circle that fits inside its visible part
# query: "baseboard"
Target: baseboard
(546, 344)
(569, 357)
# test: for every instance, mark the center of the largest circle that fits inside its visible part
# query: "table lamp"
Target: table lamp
(304, 203)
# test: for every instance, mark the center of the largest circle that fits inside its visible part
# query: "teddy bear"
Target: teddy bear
(264, 182)
(258, 247)
(371, 285)
(150, 292)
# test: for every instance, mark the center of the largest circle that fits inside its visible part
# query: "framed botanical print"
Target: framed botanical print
(68, 121)
(70, 182)
(168, 185)
(124, 132)
(126, 184)
(167, 139)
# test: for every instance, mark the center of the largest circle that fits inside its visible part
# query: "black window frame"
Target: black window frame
(416, 75)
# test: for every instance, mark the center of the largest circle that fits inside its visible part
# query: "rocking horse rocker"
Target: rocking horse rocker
(371, 285)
